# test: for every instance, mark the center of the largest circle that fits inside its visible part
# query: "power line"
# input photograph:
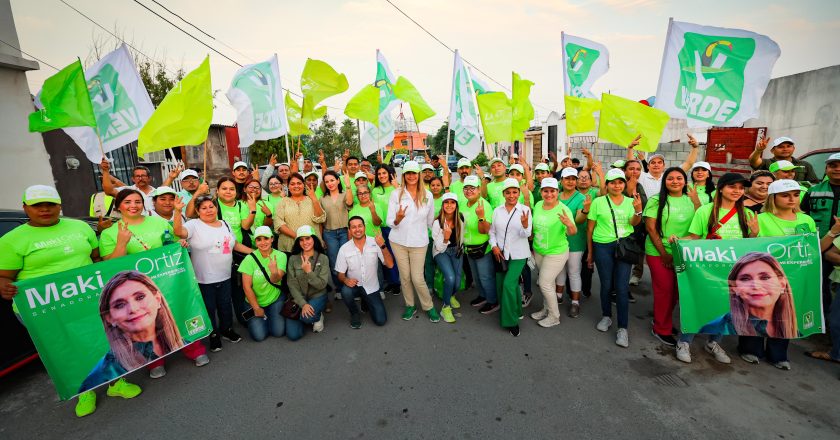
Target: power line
(29, 55)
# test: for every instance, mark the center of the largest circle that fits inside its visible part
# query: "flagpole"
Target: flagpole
(286, 138)
(204, 173)
(99, 138)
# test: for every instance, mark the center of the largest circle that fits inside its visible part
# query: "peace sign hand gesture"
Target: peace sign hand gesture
(587, 202)
(692, 141)
(753, 225)
(635, 142)
(762, 144)
(565, 219)
(252, 202)
(305, 265)
(524, 219)
(123, 234)
(447, 231)
(179, 204)
(479, 210)
(272, 264)
(400, 214)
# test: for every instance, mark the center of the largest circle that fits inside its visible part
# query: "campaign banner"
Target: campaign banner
(769, 286)
(96, 323)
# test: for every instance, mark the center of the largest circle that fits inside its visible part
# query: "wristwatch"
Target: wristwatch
(446, 188)
(253, 212)
(639, 213)
(383, 247)
(481, 220)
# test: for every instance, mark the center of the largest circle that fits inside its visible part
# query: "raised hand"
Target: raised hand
(565, 219)
(380, 241)
(105, 166)
(400, 213)
(692, 193)
(298, 155)
(479, 210)
(586, 152)
(597, 167)
(305, 265)
(446, 178)
(587, 202)
(272, 264)
(479, 172)
(637, 202)
(634, 142)
(762, 144)
(203, 188)
(272, 162)
(692, 141)
(179, 204)
(176, 172)
(256, 173)
(753, 225)
(321, 157)
(524, 219)
(123, 234)
(252, 202)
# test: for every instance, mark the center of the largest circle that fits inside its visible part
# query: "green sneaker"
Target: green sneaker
(123, 389)
(454, 302)
(409, 313)
(86, 404)
(433, 315)
(446, 312)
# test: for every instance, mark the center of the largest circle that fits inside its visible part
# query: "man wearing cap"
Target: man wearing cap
(139, 175)
(822, 203)
(239, 172)
(493, 190)
(782, 149)
(436, 166)
(189, 182)
(541, 171)
(428, 173)
(463, 168)
(163, 198)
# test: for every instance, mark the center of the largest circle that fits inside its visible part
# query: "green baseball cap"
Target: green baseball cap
(306, 231)
(40, 194)
(263, 231)
(783, 165)
(411, 167)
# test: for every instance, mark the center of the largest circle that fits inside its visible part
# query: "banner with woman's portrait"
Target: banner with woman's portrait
(94, 324)
(767, 286)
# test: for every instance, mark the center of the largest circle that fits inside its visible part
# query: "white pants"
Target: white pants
(573, 267)
(550, 267)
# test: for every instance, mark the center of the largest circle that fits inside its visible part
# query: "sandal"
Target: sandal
(821, 355)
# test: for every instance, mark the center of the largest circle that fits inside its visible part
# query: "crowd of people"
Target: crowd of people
(274, 250)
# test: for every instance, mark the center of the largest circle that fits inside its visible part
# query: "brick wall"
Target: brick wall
(675, 153)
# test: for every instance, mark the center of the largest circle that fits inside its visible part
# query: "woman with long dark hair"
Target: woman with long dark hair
(385, 182)
(702, 182)
(308, 270)
(447, 250)
(336, 203)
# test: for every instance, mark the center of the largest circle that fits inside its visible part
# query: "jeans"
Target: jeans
(392, 275)
(484, 275)
(274, 324)
(834, 322)
(218, 303)
(295, 327)
(772, 349)
(237, 296)
(585, 275)
(373, 300)
(334, 238)
(614, 275)
(450, 265)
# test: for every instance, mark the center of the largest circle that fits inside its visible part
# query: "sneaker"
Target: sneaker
(668, 340)
(683, 352)
(86, 404)
(364, 307)
(560, 299)
(783, 365)
(454, 302)
(549, 321)
(720, 355)
(622, 339)
(355, 321)
(479, 301)
(526, 299)
(634, 280)
(157, 372)
(215, 342)
(231, 335)
(514, 331)
(750, 358)
(538, 316)
(604, 324)
(318, 327)
(328, 308)
(446, 313)
(395, 290)
(574, 310)
(409, 312)
(123, 389)
(433, 315)
(202, 360)
(587, 294)
(631, 298)
(489, 308)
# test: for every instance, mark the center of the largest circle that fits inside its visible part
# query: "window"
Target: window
(404, 142)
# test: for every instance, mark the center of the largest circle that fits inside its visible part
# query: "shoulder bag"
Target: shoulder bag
(290, 309)
(502, 265)
(627, 249)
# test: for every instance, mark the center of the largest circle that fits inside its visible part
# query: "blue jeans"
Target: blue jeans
(449, 264)
(614, 275)
(392, 275)
(334, 238)
(373, 301)
(688, 337)
(218, 303)
(273, 324)
(834, 322)
(484, 275)
(295, 327)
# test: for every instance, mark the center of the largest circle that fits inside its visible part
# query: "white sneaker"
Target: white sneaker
(634, 280)
(549, 321)
(604, 324)
(683, 352)
(622, 339)
(157, 372)
(202, 360)
(720, 355)
(539, 315)
(318, 327)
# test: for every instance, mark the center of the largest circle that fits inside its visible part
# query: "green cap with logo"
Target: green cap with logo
(783, 165)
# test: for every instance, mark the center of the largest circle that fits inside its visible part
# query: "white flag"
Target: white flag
(257, 95)
(714, 76)
(584, 61)
(120, 102)
(463, 115)
(372, 137)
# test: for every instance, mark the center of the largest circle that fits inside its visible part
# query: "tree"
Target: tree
(437, 143)
(157, 80)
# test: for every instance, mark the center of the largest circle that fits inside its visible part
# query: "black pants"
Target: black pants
(585, 275)
(772, 349)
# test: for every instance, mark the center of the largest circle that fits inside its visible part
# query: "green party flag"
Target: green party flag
(63, 101)
(387, 160)
(623, 119)
(184, 115)
(364, 105)
(297, 124)
(496, 113)
(406, 91)
(318, 82)
(523, 111)
(580, 114)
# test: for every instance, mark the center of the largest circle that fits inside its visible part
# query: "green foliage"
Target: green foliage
(480, 160)
(157, 81)
(261, 151)
(437, 142)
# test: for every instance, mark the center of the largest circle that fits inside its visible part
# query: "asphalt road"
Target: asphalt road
(468, 380)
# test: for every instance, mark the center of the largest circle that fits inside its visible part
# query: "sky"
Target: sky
(496, 36)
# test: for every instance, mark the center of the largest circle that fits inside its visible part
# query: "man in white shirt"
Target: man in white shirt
(651, 181)
(139, 175)
(357, 265)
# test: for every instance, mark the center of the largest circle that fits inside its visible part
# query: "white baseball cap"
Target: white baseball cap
(783, 185)
(472, 181)
(239, 164)
(833, 158)
(39, 194)
(655, 155)
(464, 162)
(305, 231)
(517, 167)
(495, 159)
(449, 196)
(780, 140)
(263, 231)
(411, 167)
(360, 175)
(187, 173)
(161, 190)
(701, 164)
(427, 166)
(542, 166)
(549, 182)
(510, 183)
(568, 172)
(615, 173)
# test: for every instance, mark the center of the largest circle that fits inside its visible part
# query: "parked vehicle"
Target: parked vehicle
(452, 162)
(817, 159)
(399, 159)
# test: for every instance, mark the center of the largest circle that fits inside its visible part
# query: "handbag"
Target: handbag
(627, 248)
(290, 309)
(476, 251)
(502, 265)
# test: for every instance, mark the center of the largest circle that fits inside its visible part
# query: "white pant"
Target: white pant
(573, 267)
(550, 267)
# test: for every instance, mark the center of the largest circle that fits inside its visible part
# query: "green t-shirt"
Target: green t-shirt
(438, 204)
(676, 218)
(272, 201)
(494, 194)
(364, 212)
(704, 197)
(233, 215)
(457, 188)
(599, 212)
(471, 235)
(731, 229)
(154, 232)
(381, 196)
(263, 290)
(771, 226)
(39, 251)
(577, 242)
(549, 231)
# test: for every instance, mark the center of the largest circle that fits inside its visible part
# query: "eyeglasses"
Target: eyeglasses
(255, 187)
(363, 193)
(470, 188)
(141, 176)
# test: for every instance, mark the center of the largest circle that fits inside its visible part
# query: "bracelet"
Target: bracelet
(383, 247)
(584, 212)
(833, 235)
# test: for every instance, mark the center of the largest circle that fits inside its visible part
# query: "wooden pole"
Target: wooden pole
(204, 173)
(288, 154)
(99, 138)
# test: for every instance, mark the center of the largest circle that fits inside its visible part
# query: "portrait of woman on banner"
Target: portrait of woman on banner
(760, 300)
(138, 324)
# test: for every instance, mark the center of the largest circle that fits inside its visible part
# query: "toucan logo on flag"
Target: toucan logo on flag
(712, 76)
(260, 84)
(580, 61)
(115, 111)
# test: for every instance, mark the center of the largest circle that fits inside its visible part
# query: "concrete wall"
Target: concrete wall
(24, 159)
(805, 107)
